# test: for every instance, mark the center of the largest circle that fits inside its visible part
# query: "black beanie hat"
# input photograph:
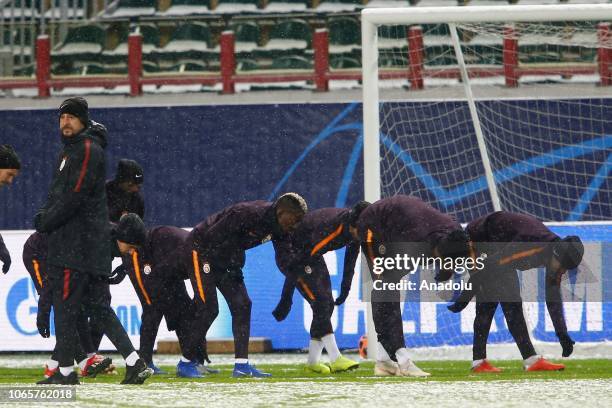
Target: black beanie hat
(131, 230)
(9, 158)
(356, 211)
(569, 251)
(455, 244)
(76, 106)
(129, 170)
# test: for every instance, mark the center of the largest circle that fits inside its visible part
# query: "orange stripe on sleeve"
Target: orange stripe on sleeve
(304, 286)
(520, 255)
(37, 272)
(84, 166)
(370, 241)
(196, 270)
(139, 277)
(326, 240)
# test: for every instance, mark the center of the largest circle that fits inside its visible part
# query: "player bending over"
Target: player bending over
(153, 263)
(380, 226)
(216, 250)
(523, 243)
(299, 256)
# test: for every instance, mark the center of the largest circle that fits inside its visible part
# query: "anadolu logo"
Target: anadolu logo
(22, 307)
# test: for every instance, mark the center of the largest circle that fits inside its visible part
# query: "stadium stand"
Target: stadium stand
(184, 35)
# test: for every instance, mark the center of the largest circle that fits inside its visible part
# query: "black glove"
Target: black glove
(234, 274)
(38, 220)
(117, 276)
(344, 292)
(282, 310)
(42, 322)
(5, 257)
(567, 344)
(457, 306)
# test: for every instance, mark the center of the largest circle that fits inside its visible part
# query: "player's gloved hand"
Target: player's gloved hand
(567, 344)
(42, 322)
(344, 292)
(5, 257)
(235, 274)
(117, 276)
(282, 310)
(38, 220)
(457, 306)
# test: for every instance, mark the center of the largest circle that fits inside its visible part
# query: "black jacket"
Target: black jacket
(121, 202)
(75, 216)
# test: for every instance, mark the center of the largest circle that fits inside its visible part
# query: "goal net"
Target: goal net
(475, 109)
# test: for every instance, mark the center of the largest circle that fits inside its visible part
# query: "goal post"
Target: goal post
(479, 119)
(371, 18)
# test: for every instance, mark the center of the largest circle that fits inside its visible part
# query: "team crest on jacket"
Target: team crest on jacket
(266, 238)
(62, 164)
(147, 269)
(382, 249)
(308, 269)
(206, 267)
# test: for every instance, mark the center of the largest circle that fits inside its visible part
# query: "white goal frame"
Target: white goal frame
(371, 18)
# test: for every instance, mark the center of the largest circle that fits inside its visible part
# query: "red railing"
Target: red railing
(320, 75)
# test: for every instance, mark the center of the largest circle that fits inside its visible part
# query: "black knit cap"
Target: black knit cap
(131, 230)
(129, 170)
(9, 158)
(356, 211)
(569, 251)
(76, 106)
(455, 244)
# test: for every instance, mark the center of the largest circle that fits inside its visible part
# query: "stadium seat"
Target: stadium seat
(76, 9)
(28, 70)
(344, 35)
(392, 36)
(246, 35)
(330, 6)
(392, 60)
(84, 43)
(132, 8)
(292, 34)
(246, 64)
(18, 8)
(344, 62)
(189, 66)
(117, 57)
(95, 69)
(186, 7)
(436, 3)
(292, 62)
(189, 41)
(286, 6)
(235, 6)
(389, 3)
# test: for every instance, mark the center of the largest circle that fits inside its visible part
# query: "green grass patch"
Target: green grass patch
(440, 371)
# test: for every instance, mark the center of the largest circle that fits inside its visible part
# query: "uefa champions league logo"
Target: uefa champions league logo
(22, 307)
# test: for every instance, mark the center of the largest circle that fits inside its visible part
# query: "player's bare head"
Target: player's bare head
(9, 165)
(290, 209)
(73, 116)
(566, 254)
(130, 233)
(353, 217)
